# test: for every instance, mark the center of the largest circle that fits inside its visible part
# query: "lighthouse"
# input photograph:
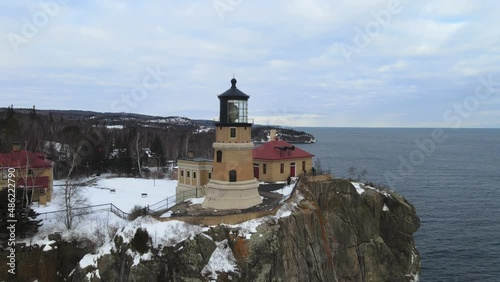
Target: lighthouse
(233, 185)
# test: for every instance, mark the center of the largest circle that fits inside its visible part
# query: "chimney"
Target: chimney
(272, 135)
(190, 154)
(16, 147)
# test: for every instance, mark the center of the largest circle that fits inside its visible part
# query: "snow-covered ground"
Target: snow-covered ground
(361, 187)
(101, 225)
(127, 192)
(221, 260)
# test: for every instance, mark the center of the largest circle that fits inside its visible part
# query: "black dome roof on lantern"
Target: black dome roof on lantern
(234, 92)
(233, 107)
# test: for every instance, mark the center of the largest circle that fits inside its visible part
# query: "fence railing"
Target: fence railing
(88, 210)
(171, 201)
(162, 205)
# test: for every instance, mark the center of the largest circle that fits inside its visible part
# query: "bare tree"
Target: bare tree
(354, 174)
(74, 199)
(185, 145)
(317, 164)
(29, 175)
(136, 150)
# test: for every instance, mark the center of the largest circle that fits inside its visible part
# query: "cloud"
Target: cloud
(284, 55)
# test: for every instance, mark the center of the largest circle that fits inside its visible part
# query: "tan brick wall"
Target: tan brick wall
(243, 134)
(202, 169)
(273, 170)
(37, 172)
(239, 160)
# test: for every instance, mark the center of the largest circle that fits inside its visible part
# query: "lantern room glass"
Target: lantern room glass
(237, 111)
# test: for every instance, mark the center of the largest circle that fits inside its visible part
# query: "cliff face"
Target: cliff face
(335, 233)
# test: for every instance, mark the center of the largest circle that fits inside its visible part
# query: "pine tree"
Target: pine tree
(33, 114)
(157, 148)
(26, 218)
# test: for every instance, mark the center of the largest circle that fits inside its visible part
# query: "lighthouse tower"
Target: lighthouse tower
(233, 185)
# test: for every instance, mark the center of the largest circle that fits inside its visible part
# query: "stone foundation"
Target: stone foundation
(231, 195)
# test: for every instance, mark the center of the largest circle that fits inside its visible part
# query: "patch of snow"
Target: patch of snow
(93, 274)
(99, 223)
(44, 241)
(378, 191)
(247, 228)
(285, 213)
(91, 259)
(167, 214)
(286, 191)
(385, 208)
(358, 187)
(138, 257)
(118, 126)
(221, 260)
(207, 236)
(47, 248)
(162, 233)
(195, 201)
(361, 187)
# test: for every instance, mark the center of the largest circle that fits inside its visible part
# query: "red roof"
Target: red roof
(18, 159)
(279, 150)
(40, 182)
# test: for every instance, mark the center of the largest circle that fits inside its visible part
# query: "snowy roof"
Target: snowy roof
(196, 159)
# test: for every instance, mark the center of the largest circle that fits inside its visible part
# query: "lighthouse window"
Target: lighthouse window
(232, 175)
(219, 156)
(232, 111)
(237, 111)
(233, 132)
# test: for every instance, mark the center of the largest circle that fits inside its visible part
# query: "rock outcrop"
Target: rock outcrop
(336, 232)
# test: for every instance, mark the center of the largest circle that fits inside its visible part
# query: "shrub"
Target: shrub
(118, 241)
(140, 242)
(136, 212)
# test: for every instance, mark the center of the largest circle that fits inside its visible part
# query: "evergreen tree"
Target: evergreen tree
(26, 218)
(10, 130)
(157, 149)
(33, 113)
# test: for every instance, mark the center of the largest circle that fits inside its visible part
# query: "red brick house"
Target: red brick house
(276, 160)
(32, 171)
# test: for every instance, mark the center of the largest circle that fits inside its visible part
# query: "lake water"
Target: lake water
(452, 180)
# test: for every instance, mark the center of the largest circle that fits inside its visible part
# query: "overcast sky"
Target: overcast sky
(377, 63)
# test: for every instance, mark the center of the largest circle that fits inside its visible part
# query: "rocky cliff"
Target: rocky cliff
(336, 232)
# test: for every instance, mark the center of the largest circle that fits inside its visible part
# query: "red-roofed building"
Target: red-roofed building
(32, 171)
(276, 160)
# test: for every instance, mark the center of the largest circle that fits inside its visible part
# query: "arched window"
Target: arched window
(232, 175)
(219, 156)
